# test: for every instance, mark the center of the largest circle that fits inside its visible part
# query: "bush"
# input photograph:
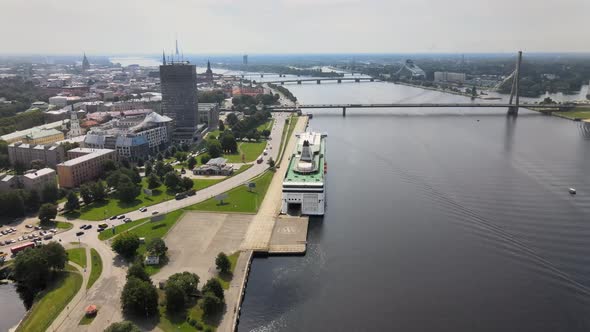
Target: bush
(139, 298)
(205, 158)
(126, 245)
(124, 326)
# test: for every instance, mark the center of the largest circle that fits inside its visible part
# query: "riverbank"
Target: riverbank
(431, 88)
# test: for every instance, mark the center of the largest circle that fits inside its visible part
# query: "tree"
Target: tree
(86, 193)
(148, 168)
(157, 247)
(222, 262)
(113, 179)
(173, 149)
(50, 194)
(214, 148)
(33, 200)
(137, 271)
(172, 180)
(205, 158)
(192, 162)
(175, 298)
(186, 183)
(55, 255)
(139, 298)
(231, 119)
(153, 181)
(221, 126)
(186, 280)
(124, 326)
(214, 287)
(127, 190)
(228, 143)
(265, 133)
(72, 202)
(211, 304)
(108, 166)
(12, 204)
(47, 212)
(37, 164)
(126, 245)
(98, 191)
(180, 156)
(30, 269)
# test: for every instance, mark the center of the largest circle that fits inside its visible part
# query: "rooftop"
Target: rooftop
(22, 133)
(315, 173)
(39, 173)
(95, 153)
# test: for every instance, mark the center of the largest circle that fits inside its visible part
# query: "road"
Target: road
(105, 293)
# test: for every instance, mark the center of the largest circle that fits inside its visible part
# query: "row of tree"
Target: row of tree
(286, 92)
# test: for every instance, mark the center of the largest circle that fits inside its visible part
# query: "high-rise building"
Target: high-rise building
(85, 63)
(178, 81)
(245, 59)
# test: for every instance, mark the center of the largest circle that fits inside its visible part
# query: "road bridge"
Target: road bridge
(343, 107)
(322, 79)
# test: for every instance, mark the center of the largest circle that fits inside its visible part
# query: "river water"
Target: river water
(437, 220)
(12, 307)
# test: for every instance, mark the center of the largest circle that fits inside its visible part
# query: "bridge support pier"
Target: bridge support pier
(513, 110)
(282, 83)
(339, 81)
(319, 81)
(298, 82)
(372, 79)
(343, 111)
(261, 75)
(357, 80)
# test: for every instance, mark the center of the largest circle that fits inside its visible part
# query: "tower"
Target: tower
(209, 73)
(163, 58)
(245, 60)
(85, 63)
(75, 129)
(178, 82)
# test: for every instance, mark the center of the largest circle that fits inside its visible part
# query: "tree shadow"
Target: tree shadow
(226, 276)
(144, 324)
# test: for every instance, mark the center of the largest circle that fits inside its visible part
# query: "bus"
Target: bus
(21, 247)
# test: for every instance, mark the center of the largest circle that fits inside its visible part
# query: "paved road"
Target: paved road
(105, 293)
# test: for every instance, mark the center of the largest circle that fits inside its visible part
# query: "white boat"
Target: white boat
(572, 191)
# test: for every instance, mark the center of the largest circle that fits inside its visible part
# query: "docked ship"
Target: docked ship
(304, 184)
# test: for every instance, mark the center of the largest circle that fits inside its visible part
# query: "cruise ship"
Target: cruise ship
(304, 184)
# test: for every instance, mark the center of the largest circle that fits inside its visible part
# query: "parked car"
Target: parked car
(126, 220)
(121, 216)
(79, 233)
(113, 217)
(88, 227)
(83, 226)
(29, 226)
(154, 213)
(180, 196)
(142, 209)
(100, 229)
(48, 237)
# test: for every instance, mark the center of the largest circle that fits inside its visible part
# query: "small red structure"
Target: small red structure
(91, 310)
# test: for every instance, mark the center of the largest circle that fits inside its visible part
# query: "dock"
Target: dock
(289, 235)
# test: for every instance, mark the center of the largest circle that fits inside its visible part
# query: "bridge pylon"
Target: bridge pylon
(514, 92)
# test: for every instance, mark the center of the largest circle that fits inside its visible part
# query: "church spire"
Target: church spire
(177, 48)
(208, 66)
(85, 62)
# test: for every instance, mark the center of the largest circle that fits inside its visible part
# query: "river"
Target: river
(437, 220)
(12, 307)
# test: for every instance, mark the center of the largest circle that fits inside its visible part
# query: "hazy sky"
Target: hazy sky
(293, 26)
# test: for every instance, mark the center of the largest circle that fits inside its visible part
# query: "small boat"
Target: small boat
(572, 191)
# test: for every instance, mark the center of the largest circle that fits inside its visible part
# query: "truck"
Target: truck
(14, 250)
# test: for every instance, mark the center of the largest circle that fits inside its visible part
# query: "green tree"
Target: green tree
(228, 143)
(153, 181)
(157, 247)
(211, 304)
(33, 201)
(72, 202)
(214, 148)
(172, 180)
(126, 245)
(221, 126)
(49, 193)
(192, 162)
(31, 269)
(124, 326)
(205, 158)
(86, 193)
(113, 179)
(222, 262)
(231, 119)
(186, 183)
(180, 156)
(37, 164)
(127, 190)
(47, 212)
(109, 166)
(188, 281)
(271, 163)
(55, 255)
(212, 285)
(175, 298)
(148, 167)
(99, 191)
(139, 298)
(137, 270)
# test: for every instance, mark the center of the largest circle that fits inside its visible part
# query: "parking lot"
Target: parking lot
(23, 231)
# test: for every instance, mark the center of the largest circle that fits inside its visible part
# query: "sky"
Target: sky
(293, 26)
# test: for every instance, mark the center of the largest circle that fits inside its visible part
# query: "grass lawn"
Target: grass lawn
(204, 183)
(57, 224)
(156, 229)
(251, 150)
(78, 256)
(86, 320)
(177, 322)
(108, 233)
(239, 199)
(582, 113)
(225, 279)
(242, 169)
(52, 301)
(214, 133)
(267, 125)
(95, 267)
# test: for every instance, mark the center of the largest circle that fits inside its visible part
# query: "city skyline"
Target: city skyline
(293, 26)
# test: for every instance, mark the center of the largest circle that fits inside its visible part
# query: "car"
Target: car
(53, 230)
(100, 229)
(29, 226)
(154, 213)
(13, 241)
(83, 226)
(20, 238)
(103, 225)
(127, 220)
(142, 209)
(79, 233)
(37, 227)
(88, 227)
(113, 217)
(179, 196)
(48, 237)
(121, 216)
